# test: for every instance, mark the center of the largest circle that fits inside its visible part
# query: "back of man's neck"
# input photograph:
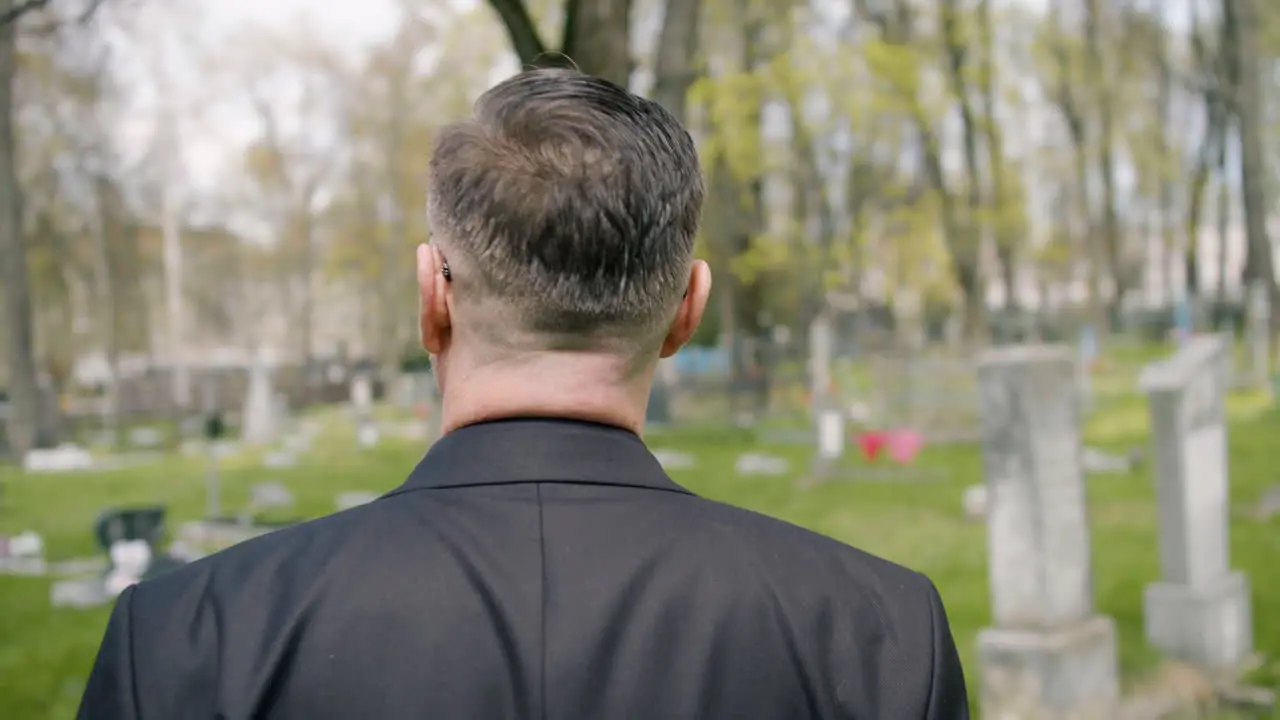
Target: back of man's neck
(574, 387)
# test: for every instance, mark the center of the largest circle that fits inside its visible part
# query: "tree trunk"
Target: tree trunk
(1258, 267)
(24, 389)
(1006, 235)
(596, 38)
(676, 67)
(1224, 227)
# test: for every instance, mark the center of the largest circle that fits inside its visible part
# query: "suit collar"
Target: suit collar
(504, 452)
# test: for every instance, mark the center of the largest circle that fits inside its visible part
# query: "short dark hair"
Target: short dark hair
(573, 202)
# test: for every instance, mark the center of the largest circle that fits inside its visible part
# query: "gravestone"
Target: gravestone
(67, 457)
(367, 433)
(760, 464)
(260, 424)
(1048, 654)
(265, 496)
(1200, 610)
(1259, 335)
(1268, 506)
(279, 460)
(361, 392)
(145, 437)
(674, 459)
(828, 416)
(348, 500)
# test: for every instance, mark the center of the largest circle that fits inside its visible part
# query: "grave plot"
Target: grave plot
(131, 540)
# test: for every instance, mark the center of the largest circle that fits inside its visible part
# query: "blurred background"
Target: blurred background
(208, 212)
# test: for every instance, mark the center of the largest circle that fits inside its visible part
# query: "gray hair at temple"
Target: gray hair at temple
(567, 209)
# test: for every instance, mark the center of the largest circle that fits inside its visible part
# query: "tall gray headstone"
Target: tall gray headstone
(1048, 654)
(1260, 334)
(1200, 611)
(260, 421)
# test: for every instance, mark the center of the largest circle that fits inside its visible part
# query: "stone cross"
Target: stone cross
(1048, 654)
(1200, 611)
(1260, 334)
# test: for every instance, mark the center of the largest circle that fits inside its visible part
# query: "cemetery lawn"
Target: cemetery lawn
(45, 654)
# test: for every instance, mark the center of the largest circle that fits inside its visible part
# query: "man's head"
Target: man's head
(566, 211)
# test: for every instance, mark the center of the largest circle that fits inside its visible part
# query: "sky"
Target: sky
(354, 22)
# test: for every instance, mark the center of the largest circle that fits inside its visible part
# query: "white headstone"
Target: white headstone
(279, 460)
(831, 434)
(145, 437)
(367, 434)
(26, 545)
(270, 495)
(674, 459)
(260, 421)
(760, 464)
(361, 391)
(975, 502)
(1047, 651)
(64, 458)
(348, 500)
(129, 561)
(1200, 612)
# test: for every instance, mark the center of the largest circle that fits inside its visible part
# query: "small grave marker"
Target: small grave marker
(279, 460)
(67, 457)
(975, 502)
(1269, 504)
(674, 459)
(367, 434)
(260, 417)
(145, 437)
(759, 464)
(348, 500)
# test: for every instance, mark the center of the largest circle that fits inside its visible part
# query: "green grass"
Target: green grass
(45, 654)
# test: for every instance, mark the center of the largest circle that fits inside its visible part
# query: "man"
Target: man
(538, 563)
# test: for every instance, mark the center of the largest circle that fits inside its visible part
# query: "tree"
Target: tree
(24, 389)
(1242, 15)
(596, 37)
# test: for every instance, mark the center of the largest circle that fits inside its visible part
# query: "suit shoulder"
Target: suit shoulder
(785, 544)
(272, 558)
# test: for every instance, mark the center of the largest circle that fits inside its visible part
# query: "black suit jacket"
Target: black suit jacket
(536, 569)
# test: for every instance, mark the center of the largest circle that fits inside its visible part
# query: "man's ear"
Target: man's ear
(691, 309)
(434, 322)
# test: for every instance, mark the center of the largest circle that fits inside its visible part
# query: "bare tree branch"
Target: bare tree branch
(19, 10)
